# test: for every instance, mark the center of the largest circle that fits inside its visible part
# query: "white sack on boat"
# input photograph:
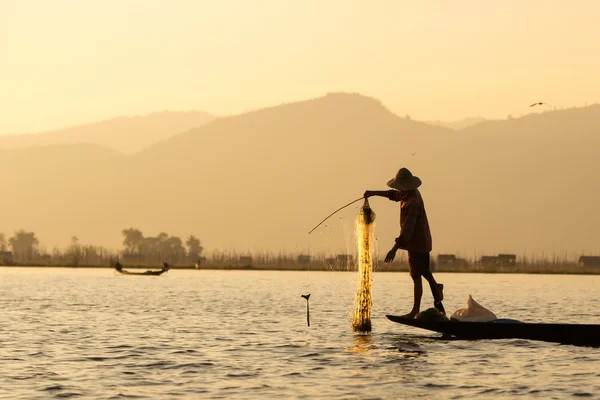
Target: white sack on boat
(474, 312)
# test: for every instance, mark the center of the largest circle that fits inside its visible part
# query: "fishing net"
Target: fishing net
(365, 224)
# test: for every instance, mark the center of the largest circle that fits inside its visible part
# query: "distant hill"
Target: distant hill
(457, 125)
(577, 123)
(124, 134)
(263, 179)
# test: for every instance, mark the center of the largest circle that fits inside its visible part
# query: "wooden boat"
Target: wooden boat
(575, 334)
(149, 272)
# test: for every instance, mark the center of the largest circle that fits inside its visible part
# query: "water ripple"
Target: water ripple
(226, 334)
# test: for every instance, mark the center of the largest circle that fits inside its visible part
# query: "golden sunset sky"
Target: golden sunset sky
(66, 62)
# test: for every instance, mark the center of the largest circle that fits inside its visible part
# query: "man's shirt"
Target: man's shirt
(415, 235)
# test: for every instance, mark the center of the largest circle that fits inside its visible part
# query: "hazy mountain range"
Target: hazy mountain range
(457, 125)
(263, 179)
(124, 134)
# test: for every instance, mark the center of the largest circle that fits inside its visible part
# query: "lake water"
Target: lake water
(243, 334)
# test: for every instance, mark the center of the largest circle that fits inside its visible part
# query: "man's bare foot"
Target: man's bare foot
(410, 315)
(440, 307)
(440, 291)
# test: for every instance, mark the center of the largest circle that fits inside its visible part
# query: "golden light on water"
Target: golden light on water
(365, 228)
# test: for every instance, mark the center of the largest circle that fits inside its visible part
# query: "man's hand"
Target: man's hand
(391, 255)
(368, 193)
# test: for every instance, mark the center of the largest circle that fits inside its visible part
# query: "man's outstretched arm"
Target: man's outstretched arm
(393, 195)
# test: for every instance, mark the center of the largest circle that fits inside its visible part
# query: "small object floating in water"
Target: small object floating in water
(119, 269)
(574, 334)
(307, 296)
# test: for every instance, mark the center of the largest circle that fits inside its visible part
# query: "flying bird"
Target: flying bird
(539, 104)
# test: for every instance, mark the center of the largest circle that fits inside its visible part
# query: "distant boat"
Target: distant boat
(149, 272)
(575, 334)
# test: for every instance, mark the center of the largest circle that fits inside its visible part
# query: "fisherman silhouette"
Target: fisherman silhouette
(415, 236)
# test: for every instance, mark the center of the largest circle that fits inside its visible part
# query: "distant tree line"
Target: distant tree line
(24, 248)
(24, 245)
(161, 248)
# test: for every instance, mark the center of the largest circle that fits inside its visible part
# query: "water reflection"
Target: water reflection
(409, 347)
(362, 344)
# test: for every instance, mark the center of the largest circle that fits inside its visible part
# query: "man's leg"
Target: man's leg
(413, 262)
(437, 289)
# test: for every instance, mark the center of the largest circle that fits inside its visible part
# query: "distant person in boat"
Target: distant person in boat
(415, 236)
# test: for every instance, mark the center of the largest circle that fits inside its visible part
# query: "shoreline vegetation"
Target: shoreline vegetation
(149, 252)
